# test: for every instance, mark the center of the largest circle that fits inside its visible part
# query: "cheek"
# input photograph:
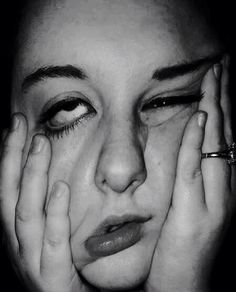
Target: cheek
(161, 157)
(74, 161)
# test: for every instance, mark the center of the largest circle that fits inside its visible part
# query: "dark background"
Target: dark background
(223, 16)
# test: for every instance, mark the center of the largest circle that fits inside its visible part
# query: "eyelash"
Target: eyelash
(56, 108)
(153, 104)
(169, 101)
(65, 130)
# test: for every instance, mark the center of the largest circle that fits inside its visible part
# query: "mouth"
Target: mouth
(115, 234)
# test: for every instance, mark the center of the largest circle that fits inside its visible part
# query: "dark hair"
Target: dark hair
(9, 25)
(220, 15)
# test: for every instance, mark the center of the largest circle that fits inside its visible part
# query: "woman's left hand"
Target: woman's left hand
(203, 196)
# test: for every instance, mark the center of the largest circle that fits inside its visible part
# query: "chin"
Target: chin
(124, 270)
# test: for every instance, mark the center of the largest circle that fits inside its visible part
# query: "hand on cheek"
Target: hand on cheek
(202, 195)
(38, 236)
(216, 171)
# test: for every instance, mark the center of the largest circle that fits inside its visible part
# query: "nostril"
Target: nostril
(121, 181)
(120, 167)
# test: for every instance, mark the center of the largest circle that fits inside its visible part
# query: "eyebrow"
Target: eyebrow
(184, 68)
(70, 71)
(67, 71)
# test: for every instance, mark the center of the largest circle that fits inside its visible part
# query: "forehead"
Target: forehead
(90, 31)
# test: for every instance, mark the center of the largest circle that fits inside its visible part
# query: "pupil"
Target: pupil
(69, 106)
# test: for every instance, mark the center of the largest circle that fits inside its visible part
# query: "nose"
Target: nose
(121, 166)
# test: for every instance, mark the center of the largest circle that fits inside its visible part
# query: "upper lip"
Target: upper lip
(118, 220)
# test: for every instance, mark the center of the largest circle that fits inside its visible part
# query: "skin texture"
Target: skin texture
(120, 160)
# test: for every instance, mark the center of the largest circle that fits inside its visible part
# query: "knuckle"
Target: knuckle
(9, 148)
(23, 214)
(29, 168)
(191, 169)
(6, 149)
(53, 241)
(189, 176)
(33, 167)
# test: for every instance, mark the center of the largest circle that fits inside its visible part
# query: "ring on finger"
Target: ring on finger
(229, 154)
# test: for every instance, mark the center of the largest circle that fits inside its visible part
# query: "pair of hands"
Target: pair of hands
(38, 237)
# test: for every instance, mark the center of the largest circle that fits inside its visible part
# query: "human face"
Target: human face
(113, 139)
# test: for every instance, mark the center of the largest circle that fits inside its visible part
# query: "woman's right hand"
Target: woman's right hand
(38, 238)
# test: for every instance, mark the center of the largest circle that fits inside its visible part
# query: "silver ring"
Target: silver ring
(229, 154)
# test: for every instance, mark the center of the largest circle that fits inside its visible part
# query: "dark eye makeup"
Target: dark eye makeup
(70, 104)
(67, 105)
(161, 102)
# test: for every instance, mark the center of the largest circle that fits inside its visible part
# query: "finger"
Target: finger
(10, 174)
(216, 172)
(214, 139)
(225, 101)
(188, 197)
(227, 113)
(3, 135)
(56, 260)
(30, 206)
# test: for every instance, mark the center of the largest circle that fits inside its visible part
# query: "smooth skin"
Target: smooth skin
(202, 202)
(122, 159)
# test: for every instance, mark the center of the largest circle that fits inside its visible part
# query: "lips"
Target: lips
(115, 234)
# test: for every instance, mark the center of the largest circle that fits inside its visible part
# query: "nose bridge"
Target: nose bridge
(121, 165)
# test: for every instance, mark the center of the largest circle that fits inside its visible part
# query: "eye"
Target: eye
(159, 109)
(63, 116)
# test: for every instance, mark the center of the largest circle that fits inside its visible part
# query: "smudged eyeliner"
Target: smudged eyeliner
(70, 103)
(161, 102)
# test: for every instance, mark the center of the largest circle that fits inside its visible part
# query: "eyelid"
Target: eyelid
(66, 128)
(56, 102)
(192, 87)
(57, 107)
(63, 96)
(174, 96)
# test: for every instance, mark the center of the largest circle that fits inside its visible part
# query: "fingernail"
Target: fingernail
(15, 122)
(37, 144)
(58, 190)
(202, 117)
(217, 70)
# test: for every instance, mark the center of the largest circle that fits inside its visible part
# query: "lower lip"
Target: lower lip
(111, 243)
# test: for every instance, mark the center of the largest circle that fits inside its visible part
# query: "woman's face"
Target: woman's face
(115, 126)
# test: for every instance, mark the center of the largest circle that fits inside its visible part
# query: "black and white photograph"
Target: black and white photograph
(118, 146)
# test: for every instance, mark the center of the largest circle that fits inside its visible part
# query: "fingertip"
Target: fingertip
(211, 82)
(194, 132)
(16, 134)
(18, 121)
(202, 119)
(208, 75)
(38, 144)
